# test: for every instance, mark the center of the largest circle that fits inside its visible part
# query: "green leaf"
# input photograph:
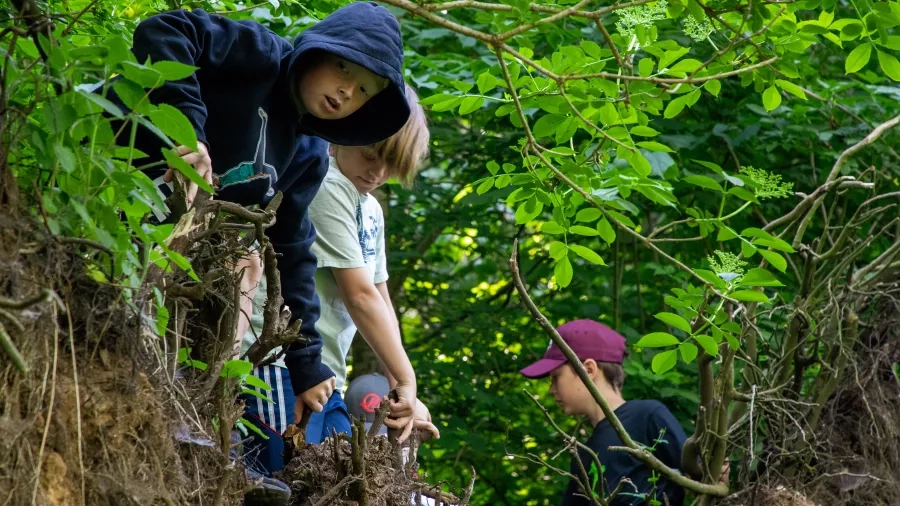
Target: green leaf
(732, 341)
(713, 87)
(747, 249)
(547, 125)
(756, 232)
(858, 58)
(742, 193)
(188, 171)
(445, 105)
(704, 182)
(711, 278)
(254, 393)
(470, 104)
(771, 98)
(733, 327)
(670, 56)
(558, 250)
(777, 261)
(104, 103)
(587, 254)
(711, 166)
(486, 82)
(146, 76)
(551, 227)
(132, 95)
(182, 263)
(726, 234)
(173, 70)
(759, 277)
(641, 164)
(435, 99)
(609, 115)
(889, 65)
(791, 88)
(750, 296)
(528, 211)
(236, 369)
(643, 131)
(485, 186)
(493, 167)
(775, 243)
(606, 231)
(585, 231)
(253, 381)
(708, 344)
(657, 340)
(588, 214)
(685, 66)
(655, 146)
(502, 181)
(621, 218)
(645, 67)
(563, 272)
(664, 361)
(174, 124)
(462, 86)
(688, 352)
(65, 157)
(674, 320)
(675, 107)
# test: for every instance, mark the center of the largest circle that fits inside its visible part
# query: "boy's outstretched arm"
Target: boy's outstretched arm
(421, 414)
(292, 237)
(377, 324)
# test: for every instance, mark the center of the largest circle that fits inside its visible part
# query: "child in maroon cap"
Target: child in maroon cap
(649, 423)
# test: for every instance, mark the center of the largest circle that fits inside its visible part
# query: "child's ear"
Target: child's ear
(591, 366)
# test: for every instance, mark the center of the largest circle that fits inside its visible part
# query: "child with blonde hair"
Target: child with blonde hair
(351, 283)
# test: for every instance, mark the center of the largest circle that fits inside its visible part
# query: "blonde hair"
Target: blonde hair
(405, 151)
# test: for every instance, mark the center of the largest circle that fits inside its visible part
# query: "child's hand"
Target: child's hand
(200, 161)
(422, 419)
(316, 398)
(402, 409)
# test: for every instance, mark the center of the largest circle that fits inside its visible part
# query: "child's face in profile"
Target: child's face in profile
(362, 166)
(335, 88)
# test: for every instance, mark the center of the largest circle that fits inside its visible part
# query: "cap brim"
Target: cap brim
(542, 368)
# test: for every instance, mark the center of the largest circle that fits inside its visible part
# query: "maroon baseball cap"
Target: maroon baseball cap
(588, 339)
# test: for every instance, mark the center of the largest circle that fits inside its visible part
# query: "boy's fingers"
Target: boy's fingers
(182, 150)
(167, 177)
(430, 427)
(407, 429)
(192, 158)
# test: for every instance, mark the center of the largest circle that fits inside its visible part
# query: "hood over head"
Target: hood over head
(368, 35)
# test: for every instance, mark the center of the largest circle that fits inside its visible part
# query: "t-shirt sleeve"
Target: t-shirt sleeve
(669, 448)
(381, 273)
(333, 212)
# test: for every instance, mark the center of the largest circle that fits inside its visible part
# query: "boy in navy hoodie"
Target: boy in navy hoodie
(263, 110)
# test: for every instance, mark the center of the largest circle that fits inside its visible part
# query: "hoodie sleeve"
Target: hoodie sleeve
(292, 237)
(212, 43)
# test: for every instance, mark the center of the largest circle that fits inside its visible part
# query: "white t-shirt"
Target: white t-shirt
(349, 234)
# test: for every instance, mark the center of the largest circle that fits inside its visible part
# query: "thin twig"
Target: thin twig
(336, 490)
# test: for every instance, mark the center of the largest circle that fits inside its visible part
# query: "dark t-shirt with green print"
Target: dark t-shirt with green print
(643, 420)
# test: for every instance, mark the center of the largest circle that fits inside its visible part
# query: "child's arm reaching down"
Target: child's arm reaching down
(377, 324)
(421, 415)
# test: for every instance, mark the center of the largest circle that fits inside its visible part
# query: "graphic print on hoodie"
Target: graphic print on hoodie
(240, 105)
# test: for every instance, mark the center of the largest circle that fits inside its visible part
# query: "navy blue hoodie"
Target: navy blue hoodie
(240, 104)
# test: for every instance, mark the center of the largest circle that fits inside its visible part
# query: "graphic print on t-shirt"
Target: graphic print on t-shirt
(367, 229)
